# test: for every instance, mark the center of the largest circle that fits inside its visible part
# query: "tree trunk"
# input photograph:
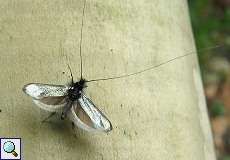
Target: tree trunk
(159, 114)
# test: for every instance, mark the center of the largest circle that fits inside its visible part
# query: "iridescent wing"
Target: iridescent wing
(87, 116)
(46, 96)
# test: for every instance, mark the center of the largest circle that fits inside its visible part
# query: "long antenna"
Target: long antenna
(82, 23)
(70, 73)
(152, 67)
(67, 60)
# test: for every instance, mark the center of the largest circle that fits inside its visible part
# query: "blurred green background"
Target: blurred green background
(211, 27)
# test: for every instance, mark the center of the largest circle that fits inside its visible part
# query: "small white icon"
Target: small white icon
(9, 147)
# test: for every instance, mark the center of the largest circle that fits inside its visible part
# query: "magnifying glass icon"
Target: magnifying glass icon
(9, 147)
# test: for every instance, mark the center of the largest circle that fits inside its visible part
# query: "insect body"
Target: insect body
(71, 102)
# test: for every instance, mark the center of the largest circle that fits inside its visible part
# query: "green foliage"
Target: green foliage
(217, 108)
(226, 158)
(208, 20)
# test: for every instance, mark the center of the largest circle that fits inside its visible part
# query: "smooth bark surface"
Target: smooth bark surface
(160, 114)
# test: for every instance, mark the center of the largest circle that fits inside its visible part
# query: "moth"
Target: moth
(71, 101)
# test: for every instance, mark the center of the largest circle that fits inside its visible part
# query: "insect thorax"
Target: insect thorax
(76, 89)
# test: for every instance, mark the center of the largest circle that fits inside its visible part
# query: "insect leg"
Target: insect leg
(66, 110)
(51, 115)
(73, 125)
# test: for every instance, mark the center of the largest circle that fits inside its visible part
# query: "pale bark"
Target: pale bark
(160, 114)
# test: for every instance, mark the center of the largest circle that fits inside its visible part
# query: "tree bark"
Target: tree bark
(159, 114)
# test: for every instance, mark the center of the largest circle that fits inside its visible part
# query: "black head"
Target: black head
(76, 89)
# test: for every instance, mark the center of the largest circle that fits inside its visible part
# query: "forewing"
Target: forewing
(39, 91)
(89, 117)
(48, 97)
